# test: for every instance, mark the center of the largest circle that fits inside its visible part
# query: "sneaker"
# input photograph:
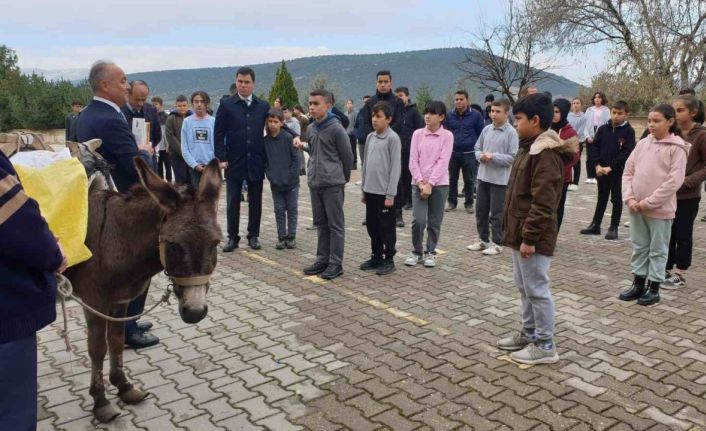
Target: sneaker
(513, 343)
(408, 206)
(573, 187)
(430, 260)
(332, 271)
(533, 355)
(478, 246)
(492, 250)
(387, 267)
(703, 218)
(357, 183)
(626, 224)
(371, 264)
(281, 243)
(588, 181)
(674, 282)
(316, 268)
(291, 242)
(450, 207)
(413, 259)
(469, 209)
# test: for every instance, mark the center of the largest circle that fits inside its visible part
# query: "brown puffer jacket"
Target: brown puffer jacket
(534, 191)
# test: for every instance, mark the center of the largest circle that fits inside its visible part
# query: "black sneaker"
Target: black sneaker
(400, 221)
(592, 229)
(254, 243)
(332, 271)
(450, 207)
(316, 268)
(290, 242)
(370, 264)
(612, 233)
(230, 246)
(281, 243)
(387, 267)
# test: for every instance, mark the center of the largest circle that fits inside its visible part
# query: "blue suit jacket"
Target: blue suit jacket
(100, 120)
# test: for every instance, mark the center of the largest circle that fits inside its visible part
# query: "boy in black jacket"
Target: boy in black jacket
(411, 121)
(607, 154)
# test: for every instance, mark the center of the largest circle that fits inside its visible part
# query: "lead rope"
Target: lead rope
(65, 289)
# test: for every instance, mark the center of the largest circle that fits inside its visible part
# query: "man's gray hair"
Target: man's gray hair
(98, 73)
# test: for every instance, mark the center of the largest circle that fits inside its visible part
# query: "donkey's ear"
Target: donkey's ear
(160, 191)
(211, 182)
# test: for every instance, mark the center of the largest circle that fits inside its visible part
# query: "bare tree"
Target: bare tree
(507, 57)
(663, 38)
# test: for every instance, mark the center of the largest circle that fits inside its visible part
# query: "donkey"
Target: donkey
(133, 237)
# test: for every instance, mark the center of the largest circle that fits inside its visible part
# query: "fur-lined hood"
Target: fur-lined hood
(550, 140)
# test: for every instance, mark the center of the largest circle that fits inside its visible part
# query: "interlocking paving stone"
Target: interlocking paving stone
(412, 350)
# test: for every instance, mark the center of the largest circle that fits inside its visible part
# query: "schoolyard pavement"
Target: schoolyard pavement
(412, 350)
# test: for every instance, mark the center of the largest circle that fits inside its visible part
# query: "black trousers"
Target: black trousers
(577, 166)
(380, 222)
(181, 169)
(562, 202)
(468, 165)
(609, 186)
(234, 187)
(681, 241)
(164, 166)
(354, 148)
(404, 187)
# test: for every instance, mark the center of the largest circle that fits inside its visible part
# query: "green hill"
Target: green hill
(348, 76)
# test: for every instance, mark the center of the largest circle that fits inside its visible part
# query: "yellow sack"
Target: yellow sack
(62, 192)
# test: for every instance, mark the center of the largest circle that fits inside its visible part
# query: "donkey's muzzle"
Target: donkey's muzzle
(190, 314)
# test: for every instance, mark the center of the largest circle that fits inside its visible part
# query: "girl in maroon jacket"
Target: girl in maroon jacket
(561, 125)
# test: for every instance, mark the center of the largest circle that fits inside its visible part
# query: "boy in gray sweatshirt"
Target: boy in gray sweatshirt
(495, 150)
(380, 175)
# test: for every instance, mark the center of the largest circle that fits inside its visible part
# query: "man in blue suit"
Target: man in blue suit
(103, 119)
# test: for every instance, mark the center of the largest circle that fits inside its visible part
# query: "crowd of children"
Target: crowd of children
(524, 174)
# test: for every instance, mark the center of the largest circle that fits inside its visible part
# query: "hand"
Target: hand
(488, 156)
(200, 168)
(389, 203)
(223, 165)
(146, 147)
(362, 198)
(64, 261)
(635, 207)
(526, 250)
(589, 140)
(607, 170)
(297, 143)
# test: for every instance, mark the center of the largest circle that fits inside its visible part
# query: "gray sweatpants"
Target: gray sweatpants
(532, 280)
(427, 214)
(327, 206)
(650, 246)
(490, 200)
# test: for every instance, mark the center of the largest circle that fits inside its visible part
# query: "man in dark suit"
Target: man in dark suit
(137, 107)
(239, 141)
(103, 119)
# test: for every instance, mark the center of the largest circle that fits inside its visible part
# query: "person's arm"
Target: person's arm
(414, 166)
(625, 150)
(441, 165)
(124, 148)
(668, 188)
(628, 174)
(294, 159)
(186, 133)
(26, 239)
(341, 116)
(418, 120)
(397, 115)
(547, 180)
(219, 134)
(155, 127)
(594, 150)
(479, 124)
(366, 160)
(345, 153)
(395, 149)
(507, 158)
(170, 133)
(478, 148)
(588, 131)
(697, 177)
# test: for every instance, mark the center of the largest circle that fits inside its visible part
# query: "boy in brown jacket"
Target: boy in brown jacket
(530, 225)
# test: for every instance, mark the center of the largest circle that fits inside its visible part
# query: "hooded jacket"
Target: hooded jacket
(365, 115)
(411, 121)
(172, 131)
(653, 174)
(534, 192)
(330, 154)
(695, 164)
(611, 146)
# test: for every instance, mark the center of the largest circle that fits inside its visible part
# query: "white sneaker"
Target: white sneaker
(588, 181)
(413, 259)
(478, 246)
(594, 181)
(357, 183)
(533, 355)
(573, 187)
(674, 282)
(492, 250)
(626, 224)
(430, 260)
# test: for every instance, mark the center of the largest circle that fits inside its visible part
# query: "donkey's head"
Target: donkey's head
(188, 235)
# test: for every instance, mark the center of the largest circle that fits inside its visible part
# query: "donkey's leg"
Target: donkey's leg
(116, 339)
(102, 409)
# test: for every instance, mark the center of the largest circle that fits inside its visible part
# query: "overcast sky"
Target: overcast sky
(159, 35)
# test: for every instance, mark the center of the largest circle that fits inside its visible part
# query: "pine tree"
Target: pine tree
(284, 87)
(422, 97)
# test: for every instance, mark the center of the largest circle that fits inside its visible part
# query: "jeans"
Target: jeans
(380, 222)
(681, 240)
(609, 186)
(330, 222)
(489, 211)
(532, 280)
(286, 205)
(354, 149)
(650, 246)
(427, 215)
(135, 307)
(234, 187)
(18, 380)
(164, 166)
(195, 178)
(468, 165)
(361, 151)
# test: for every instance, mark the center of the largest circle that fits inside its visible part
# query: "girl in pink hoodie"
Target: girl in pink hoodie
(653, 174)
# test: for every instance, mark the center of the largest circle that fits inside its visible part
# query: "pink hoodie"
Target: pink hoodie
(653, 174)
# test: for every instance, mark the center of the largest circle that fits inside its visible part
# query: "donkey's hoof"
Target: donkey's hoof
(133, 396)
(106, 413)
